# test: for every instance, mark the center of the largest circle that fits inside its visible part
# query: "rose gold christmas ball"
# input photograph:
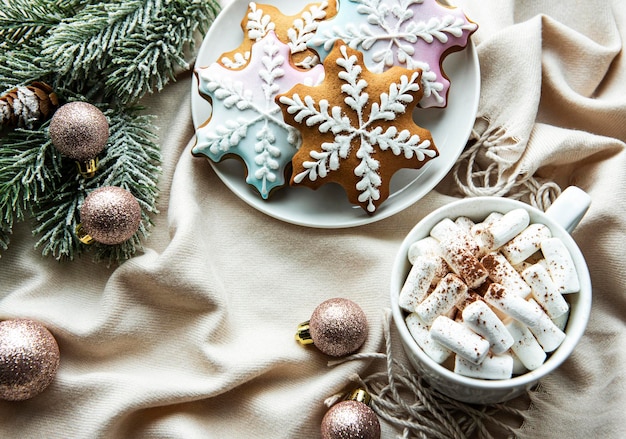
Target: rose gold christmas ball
(350, 420)
(338, 327)
(29, 358)
(110, 215)
(79, 130)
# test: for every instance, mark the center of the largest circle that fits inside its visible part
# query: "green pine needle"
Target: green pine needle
(28, 170)
(56, 218)
(23, 65)
(157, 49)
(21, 20)
(135, 45)
(4, 238)
(127, 48)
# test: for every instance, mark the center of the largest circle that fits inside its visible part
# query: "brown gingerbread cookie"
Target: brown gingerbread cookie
(293, 30)
(357, 127)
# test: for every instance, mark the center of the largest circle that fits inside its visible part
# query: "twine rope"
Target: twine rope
(486, 168)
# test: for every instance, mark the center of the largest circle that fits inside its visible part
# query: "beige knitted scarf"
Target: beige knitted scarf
(528, 142)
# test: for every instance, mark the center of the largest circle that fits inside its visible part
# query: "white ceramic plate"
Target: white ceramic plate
(328, 207)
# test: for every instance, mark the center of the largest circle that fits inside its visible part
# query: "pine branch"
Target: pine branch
(23, 66)
(79, 45)
(157, 50)
(4, 237)
(21, 20)
(127, 48)
(114, 52)
(133, 158)
(28, 169)
(57, 217)
(135, 45)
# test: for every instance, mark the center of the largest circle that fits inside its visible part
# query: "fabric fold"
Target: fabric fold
(544, 70)
(194, 337)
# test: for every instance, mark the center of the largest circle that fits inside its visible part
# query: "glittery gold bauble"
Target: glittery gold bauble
(110, 215)
(337, 327)
(29, 358)
(350, 420)
(79, 131)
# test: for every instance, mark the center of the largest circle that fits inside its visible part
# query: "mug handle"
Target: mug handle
(569, 208)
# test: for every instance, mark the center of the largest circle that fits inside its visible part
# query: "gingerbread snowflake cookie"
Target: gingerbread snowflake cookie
(245, 121)
(293, 30)
(357, 127)
(416, 34)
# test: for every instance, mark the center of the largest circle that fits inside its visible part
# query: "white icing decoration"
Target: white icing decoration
(391, 32)
(299, 34)
(257, 99)
(430, 84)
(259, 24)
(369, 135)
(238, 61)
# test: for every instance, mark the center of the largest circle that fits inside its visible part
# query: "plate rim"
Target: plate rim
(266, 206)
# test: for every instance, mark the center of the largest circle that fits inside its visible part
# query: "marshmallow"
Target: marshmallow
(518, 366)
(502, 272)
(561, 321)
(446, 230)
(560, 265)
(464, 223)
(459, 339)
(476, 233)
(491, 218)
(453, 314)
(525, 346)
(481, 276)
(522, 266)
(545, 331)
(545, 291)
(442, 300)
(420, 333)
(463, 262)
(504, 317)
(429, 247)
(513, 305)
(469, 298)
(417, 283)
(526, 243)
(477, 230)
(502, 230)
(483, 321)
(493, 367)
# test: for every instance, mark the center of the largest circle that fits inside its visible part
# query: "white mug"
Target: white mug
(561, 218)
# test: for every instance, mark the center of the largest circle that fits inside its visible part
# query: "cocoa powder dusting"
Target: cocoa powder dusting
(497, 291)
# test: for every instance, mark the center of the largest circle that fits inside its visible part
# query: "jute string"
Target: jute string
(403, 399)
(488, 168)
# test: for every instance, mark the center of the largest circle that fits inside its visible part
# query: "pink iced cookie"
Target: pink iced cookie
(246, 122)
(416, 34)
